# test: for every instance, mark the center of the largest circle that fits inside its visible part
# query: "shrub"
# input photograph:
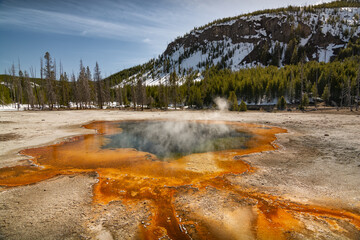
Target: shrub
(304, 102)
(243, 106)
(233, 101)
(326, 95)
(281, 105)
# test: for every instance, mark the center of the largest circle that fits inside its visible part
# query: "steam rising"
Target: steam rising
(175, 139)
(221, 103)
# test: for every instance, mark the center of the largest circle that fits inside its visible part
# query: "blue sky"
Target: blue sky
(116, 33)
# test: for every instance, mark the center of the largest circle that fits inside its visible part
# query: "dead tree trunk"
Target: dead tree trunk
(349, 94)
(357, 90)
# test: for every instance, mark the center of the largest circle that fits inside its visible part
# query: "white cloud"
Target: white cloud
(64, 23)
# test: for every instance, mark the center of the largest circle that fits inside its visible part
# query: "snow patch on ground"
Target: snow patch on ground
(304, 41)
(13, 107)
(326, 54)
(239, 55)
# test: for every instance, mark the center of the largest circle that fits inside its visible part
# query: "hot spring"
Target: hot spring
(152, 161)
(172, 140)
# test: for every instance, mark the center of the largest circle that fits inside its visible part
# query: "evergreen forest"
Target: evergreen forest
(335, 83)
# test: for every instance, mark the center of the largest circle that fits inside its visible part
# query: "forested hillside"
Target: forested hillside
(276, 37)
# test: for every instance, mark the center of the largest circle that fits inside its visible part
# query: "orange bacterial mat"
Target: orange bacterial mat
(129, 175)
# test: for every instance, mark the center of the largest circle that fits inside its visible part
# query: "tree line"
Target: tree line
(54, 89)
(335, 83)
(290, 8)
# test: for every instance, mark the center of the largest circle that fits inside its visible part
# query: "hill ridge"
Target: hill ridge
(267, 37)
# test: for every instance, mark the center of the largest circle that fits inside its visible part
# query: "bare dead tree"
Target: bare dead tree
(55, 72)
(88, 80)
(348, 95)
(342, 95)
(29, 91)
(99, 87)
(84, 91)
(54, 82)
(75, 92)
(17, 88)
(302, 79)
(12, 83)
(133, 93)
(35, 85)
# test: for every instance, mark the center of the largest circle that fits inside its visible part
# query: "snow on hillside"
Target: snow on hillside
(341, 23)
(236, 44)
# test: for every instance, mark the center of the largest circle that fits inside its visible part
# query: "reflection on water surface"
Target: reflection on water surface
(169, 139)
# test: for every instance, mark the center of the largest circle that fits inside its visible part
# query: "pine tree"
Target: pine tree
(304, 101)
(75, 92)
(11, 83)
(243, 107)
(42, 84)
(107, 97)
(197, 98)
(133, 93)
(119, 96)
(326, 95)
(174, 88)
(289, 52)
(276, 55)
(294, 57)
(281, 105)
(50, 80)
(64, 91)
(314, 92)
(160, 91)
(233, 102)
(140, 92)
(125, 98)
(5, 97)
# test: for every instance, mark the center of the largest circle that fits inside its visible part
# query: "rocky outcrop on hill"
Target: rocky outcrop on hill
(277, 38)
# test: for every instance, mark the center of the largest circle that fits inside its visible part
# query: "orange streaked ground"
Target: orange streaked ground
(129, 176)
